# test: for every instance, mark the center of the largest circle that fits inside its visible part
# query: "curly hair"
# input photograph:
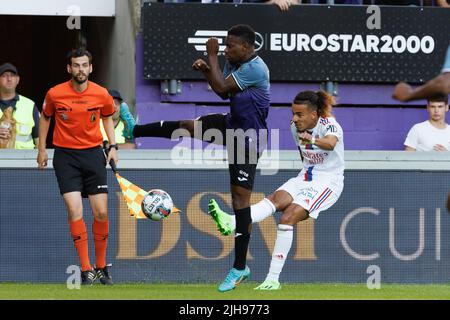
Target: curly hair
(319, 101)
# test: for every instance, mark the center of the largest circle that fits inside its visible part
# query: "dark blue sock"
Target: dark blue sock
(242, 239)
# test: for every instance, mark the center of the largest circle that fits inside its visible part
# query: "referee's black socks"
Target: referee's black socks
(242, 237)
(162, 129)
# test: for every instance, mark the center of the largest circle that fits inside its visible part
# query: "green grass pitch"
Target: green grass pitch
(13, 291)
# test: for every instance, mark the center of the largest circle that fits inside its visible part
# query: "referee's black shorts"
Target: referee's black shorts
(242, 167)
(81, 170)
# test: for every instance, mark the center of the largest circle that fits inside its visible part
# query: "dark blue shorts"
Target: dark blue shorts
(241, 162)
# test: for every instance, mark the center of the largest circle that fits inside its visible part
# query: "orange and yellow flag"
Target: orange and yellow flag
(133, 197)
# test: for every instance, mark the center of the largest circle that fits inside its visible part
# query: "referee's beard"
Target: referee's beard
(80, 78)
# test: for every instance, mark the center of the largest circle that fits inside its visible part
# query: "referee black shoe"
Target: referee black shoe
(103, 276)
(88, 277)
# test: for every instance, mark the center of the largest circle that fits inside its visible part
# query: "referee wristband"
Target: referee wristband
(115, 146)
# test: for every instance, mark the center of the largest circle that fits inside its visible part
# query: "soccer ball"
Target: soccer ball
(157, 205)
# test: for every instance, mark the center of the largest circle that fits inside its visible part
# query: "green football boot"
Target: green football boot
(223, 220)
(269, 285)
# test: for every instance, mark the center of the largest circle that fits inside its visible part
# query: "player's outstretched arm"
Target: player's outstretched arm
(437, 86)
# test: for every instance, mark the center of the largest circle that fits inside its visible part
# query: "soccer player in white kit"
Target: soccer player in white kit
(320, 140)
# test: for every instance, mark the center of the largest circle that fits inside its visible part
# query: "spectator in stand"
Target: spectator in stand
(433, 134)
(398, 3)
(349, 2)
(282, 4)
(24, 111)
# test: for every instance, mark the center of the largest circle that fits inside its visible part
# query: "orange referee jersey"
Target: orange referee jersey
(78, 115)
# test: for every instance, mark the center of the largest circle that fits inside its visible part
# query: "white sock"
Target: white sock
(262, 210)
(285, 235)
(259, 211)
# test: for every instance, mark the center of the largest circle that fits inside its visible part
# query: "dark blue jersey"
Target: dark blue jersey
(249, 107)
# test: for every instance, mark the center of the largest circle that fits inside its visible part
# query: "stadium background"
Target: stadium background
(187, 247)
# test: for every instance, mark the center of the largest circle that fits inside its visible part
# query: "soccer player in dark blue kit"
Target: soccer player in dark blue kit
(245, 81)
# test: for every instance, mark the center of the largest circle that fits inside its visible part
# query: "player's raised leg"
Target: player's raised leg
(162, 129)
(128, 120)
(226, 223)
(209, 128)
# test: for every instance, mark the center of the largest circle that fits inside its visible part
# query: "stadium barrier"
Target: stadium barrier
(391, 215)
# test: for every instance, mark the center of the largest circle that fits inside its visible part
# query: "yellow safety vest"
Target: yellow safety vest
(118, 132)
(24, 123)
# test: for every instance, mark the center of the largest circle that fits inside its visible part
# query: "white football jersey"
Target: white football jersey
(318, 162)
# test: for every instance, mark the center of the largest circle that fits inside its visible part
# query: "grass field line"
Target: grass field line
(170, 291)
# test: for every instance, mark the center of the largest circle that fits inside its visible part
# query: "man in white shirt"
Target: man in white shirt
(433, 134)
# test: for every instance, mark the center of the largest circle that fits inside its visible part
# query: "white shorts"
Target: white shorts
(314, 196)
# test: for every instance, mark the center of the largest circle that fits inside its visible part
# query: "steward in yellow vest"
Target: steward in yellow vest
(24, 110)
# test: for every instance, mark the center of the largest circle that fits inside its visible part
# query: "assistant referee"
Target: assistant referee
(79, 161)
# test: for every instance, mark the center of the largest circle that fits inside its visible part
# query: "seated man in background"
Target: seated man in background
(433, 134)
(122, 139)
